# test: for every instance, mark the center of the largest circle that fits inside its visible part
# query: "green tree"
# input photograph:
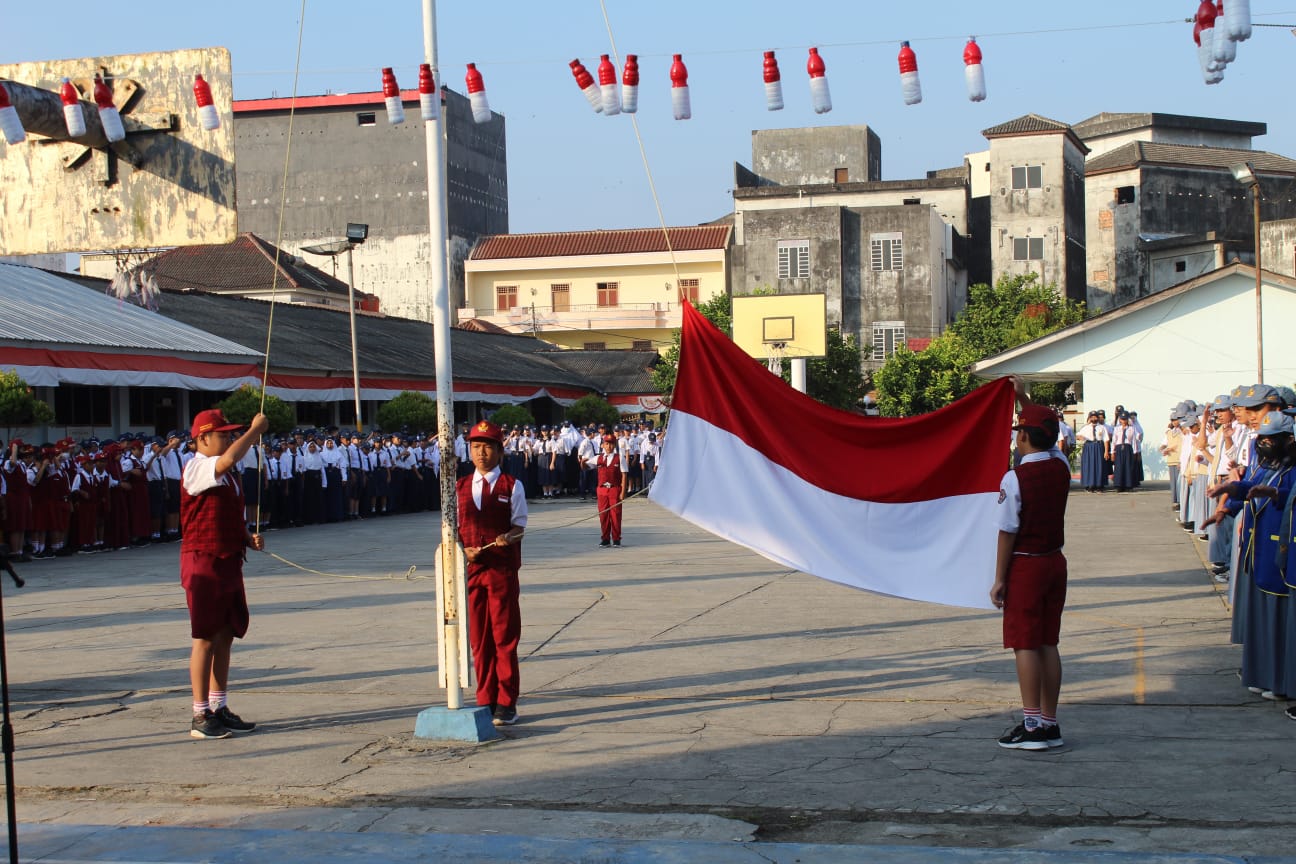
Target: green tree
(410, 410)
(512, 415)
(1016, 309)
(244, 403)
(835, 378)
(19, 406)
(593, 409)
(719, 311)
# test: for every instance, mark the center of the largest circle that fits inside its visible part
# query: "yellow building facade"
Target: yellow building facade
(599, 290)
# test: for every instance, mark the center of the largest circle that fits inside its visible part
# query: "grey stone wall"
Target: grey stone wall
(1278, 246)
(810, 155)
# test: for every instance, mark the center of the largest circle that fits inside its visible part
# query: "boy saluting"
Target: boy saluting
(215, 540)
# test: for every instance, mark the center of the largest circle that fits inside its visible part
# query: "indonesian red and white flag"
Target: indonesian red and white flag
(899, 506)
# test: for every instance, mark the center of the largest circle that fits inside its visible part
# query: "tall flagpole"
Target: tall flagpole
(450, 618)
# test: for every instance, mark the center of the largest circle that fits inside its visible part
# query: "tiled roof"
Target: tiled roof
(617, 242)
(1026, 124)
(246, 264)
(481, 326)
(1187, 155)
(37, 306)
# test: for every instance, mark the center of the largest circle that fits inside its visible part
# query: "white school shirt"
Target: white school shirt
(200, 475)
(517, 504)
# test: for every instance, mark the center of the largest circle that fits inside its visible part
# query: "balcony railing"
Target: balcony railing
(577, 316)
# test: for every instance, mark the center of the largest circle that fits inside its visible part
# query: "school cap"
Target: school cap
(1287, 395)
(486, 431)
(1275, 423)
(211, 420)
(1223, 402)
(1254, 395)
(1037, 416)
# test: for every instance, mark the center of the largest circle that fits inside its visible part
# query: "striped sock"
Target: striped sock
(217, 699)
(200, 708)
(1031, 718)
(1047, 720)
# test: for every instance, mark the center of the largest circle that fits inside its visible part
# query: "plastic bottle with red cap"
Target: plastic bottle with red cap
(910, 87)
(773, 83)
(207, 114)
(73, 114)
(585, 81)
(820, 98)
(108, 114)
(680, 105)
(10, 123)
(481, 110)
(429, 96)
(973, 71)
(1205, 17)
(392, 97)
(1237, 20)
(1225, 49)
(630, 84)
(607, 78)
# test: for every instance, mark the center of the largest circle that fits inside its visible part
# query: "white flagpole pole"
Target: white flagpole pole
(450, 616)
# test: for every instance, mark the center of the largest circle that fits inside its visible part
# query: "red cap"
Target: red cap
(815, 64)
(486, 431)
(1206, 14)
(678, 73)
(102, 95)
(68, 93)
(1038, 416)
(631, 76)
(211, 420)
(582, 75)
(771, 69)
(474, 80)
(202, 92)
(389, 85)
(908, 60)
(427, 84)
(607, 72)
(971, 52)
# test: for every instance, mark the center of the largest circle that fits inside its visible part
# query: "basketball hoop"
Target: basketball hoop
(774, 354)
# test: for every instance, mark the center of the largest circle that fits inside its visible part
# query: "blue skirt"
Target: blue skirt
(1123, 475)
(1091, 466)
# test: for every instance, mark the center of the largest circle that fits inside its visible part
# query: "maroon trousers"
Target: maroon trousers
(609, 506)
(494, 628)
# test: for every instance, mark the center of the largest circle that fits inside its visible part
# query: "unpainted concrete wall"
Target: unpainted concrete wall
(808, 155)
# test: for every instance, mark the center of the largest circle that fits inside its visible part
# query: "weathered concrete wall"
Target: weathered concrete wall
(1017, 213)
(949, 195)
(1109, 228)
(1278, 246)
(1193, 137)
(798, 157)
(341, 171)
(756, 260)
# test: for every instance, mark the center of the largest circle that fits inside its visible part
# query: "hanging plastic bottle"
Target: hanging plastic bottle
(820, 99)
(73, 114)
(773, 84)
(585, 81)
(1237, 20)
(910, 86)
(207, 114)
(429, 96)
(1205, 18)
(973, 71)
(1205, 57)
(608, 86)
(392, 97)
(10, 123)
(1225, 48)
(108, 114)
(481, 110)
(679, 89)
(630, 84)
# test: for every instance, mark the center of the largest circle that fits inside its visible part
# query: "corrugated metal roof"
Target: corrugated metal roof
(617, 242)
(39, 306)
(1188, 155)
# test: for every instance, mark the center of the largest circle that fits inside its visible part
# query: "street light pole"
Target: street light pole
(355, 365)
(1255, 195)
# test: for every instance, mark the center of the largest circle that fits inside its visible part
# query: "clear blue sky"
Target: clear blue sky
(572, 169)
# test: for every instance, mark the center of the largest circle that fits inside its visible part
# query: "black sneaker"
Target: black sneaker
(505, 715)
(1053, 735)
(207, 725)
(1291, 712)
(604, 543)
(1021, 738)
(616, 542)
(232, 721)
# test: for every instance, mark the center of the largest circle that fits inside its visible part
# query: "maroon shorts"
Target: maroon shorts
(1033, 605)
(214, 590)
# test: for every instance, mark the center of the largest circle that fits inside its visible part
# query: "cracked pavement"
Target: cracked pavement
(676, 682)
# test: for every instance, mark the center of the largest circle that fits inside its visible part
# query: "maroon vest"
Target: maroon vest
(481, 527)
(609, 473)
(213, 521)
(1044, 489)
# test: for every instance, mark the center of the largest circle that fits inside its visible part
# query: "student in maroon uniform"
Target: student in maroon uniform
(1030, 574)
(611, 491)
(492, 519)
(214, 542)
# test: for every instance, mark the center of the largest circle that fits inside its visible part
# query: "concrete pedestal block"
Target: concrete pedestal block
(465, 724)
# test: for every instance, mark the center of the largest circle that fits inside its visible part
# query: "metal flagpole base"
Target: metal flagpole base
(464, 724)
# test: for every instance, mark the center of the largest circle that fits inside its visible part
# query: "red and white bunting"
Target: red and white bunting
(481, 109)
(973, 70)
(773, 83)
(73, 114)
(585, 81)
(910, 86)
(630, 84)
(392, 97)
(207, 114)
(680, 105)
(820, 99)
(429, 96)
(108, 114)
(608, 87)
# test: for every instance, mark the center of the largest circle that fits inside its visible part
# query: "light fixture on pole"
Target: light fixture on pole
(1244, 173)
(356, 233)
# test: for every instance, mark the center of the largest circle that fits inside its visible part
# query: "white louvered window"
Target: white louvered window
(794, 259)
(887, 337)
(887, 251)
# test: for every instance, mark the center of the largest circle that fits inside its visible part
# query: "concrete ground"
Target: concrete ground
(681, 696)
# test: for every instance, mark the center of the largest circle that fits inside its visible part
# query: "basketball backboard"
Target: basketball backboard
(770, 326)
(170, 183)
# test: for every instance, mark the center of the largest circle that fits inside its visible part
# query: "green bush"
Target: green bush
(244, 403)
(512, 415)
(593, 409)
(409, 410)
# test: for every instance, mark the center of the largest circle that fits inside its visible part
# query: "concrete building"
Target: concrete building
(347, 164)
(886, 254)
(1135, 355)
(598, 290)
(1278, 246)
(1157, 186)
(1033, 207)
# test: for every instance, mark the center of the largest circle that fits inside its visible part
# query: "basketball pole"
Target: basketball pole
(799, 374)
